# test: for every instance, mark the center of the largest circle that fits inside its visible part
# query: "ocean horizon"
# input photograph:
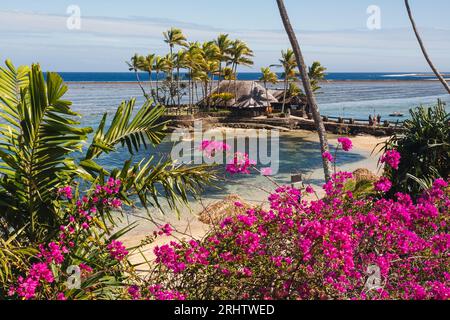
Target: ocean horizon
(331, 76)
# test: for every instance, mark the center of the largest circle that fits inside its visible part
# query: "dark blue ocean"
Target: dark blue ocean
(332, 76)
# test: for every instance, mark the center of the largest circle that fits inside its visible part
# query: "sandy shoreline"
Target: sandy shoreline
(188, 224)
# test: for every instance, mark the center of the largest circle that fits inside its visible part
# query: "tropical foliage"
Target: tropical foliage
(288, 63)
(200, 64)
(59, 236)
(197, 68)
(83, 261)
(316, 74)
(424, 146)
(268, 76)
(42, 149)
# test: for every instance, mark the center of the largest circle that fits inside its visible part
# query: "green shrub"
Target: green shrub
(424, 147)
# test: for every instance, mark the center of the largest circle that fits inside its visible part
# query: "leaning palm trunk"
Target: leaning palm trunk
(307, 86)
(424, 50)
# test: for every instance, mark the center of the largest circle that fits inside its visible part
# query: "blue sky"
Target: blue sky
(333, 32)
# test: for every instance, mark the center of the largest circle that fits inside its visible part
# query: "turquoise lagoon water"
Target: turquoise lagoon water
(357, 99)
(348, 99)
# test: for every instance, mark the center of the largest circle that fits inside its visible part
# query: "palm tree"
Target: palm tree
(268, 76)
(240, 54)
(209, 66)
(168, 66)
(316, 73)
(307, 86)
(228, 74)
(223, 43)
(180, 63)
(135, 64)
(147, 65)
(294, 90)
(424, 50)
(174, 37)
(193, 58)
(42, 149)
(158, 67)
(289, 64)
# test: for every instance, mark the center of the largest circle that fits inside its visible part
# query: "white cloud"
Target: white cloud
(30, 37)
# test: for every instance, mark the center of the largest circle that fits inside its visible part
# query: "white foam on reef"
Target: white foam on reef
(404, 75)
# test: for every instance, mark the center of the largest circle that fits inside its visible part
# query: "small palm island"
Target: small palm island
(198, 176)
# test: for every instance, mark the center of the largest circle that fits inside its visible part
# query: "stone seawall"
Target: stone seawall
(282, 124)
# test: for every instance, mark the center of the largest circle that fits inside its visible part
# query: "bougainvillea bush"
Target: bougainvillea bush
(323, 249)
(338, 247)
(85, 261)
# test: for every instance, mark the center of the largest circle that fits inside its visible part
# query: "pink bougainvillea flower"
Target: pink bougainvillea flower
(440, 184)
(60, 296)
(391, 158)
(238, 204)
(134, 292)
(160, 294)
(346, 144)
(266, 171)
(54, 253)
(85, 267)
(309, 190)
(165, 230)
(26, 287)
(212, 147)
(240, 164)
(66, 191)
(383, 185)
(117, 250)
(328, 156)
(166, 255)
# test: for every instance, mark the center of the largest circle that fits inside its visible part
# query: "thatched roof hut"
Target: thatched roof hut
(218, 211)
(246, 94)
(279, 95)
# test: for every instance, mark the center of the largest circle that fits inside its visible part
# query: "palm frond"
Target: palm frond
(35, 146)
(12, 82)
(13, 257)
(145, 127)
(165, 183)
